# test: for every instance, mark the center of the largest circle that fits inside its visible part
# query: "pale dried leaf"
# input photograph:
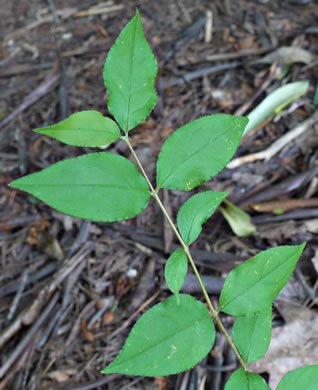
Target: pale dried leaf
(61, 375)
(288, 55)
(293, 345)
(315, 260)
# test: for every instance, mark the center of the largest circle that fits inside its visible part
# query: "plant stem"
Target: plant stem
(191, 261)
(139, 164)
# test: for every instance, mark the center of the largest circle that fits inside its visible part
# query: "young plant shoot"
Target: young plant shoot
(176, 334)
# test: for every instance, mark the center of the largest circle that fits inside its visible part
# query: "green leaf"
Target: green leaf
(304, 378)
(168, 339)
(175, 270)
(98, 186)
(196, 152)
(239, 220)
(129, 74)
(244, 380)
(252, 335)
(195, 211)
(251, 287)
(85, 128)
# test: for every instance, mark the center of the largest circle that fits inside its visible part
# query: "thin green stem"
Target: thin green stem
(214, 312)
(205, 293)
(139, 165)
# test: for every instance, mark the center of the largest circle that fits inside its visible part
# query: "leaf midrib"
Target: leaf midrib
(131, 71)
(191, 155)
(77, 130)
(258, 281)
(251, 338)
(161, 341)
(85, 185)
(202, 218)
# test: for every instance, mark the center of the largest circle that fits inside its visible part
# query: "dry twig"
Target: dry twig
(28, 316)
(270, 152)
(28, 337)
(47, 86)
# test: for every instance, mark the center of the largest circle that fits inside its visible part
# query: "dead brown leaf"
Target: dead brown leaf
(86, 333)
(108, 318)
(61, 375)
(288, 55)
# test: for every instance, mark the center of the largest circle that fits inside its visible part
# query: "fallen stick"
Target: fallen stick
(98, 11)
(63, 14)
(90, 385)
(23, 68)
(48, 84)
(20, 364)
(238, 54)
(28, 316)
(164, 83)
(27, 339)
(270, 152)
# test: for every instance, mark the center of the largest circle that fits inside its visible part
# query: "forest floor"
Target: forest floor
(71, 290)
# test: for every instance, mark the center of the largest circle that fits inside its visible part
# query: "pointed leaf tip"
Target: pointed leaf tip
(196, 211)
(196, 152)
(176, 270)
(85, 128)
(101, 187)
(252, 286)
(129, 75)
